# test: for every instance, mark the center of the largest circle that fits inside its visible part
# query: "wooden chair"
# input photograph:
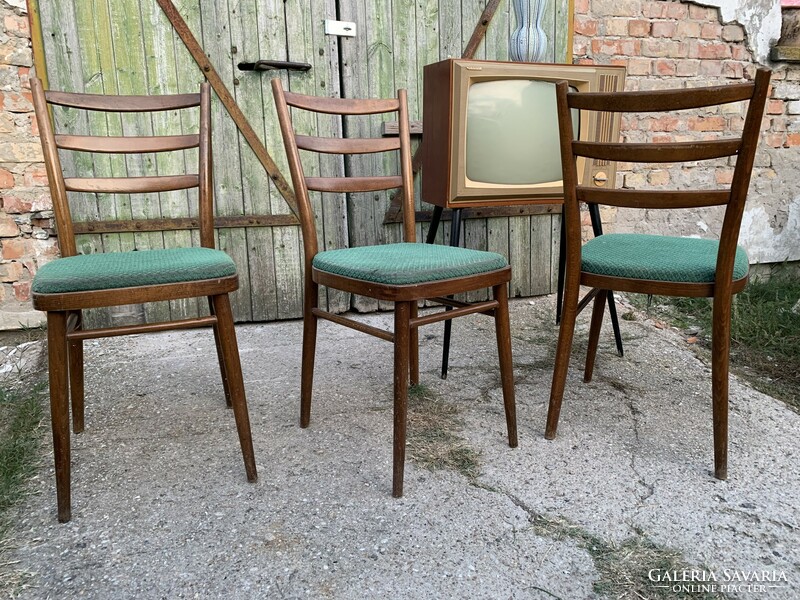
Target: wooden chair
(648, 264)
(65, 287)
(403, 273)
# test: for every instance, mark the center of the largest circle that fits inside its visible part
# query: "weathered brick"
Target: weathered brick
(616, 27)
(22, 290)
(676, 10)
(706, 124)
(655, 9)
(665, 67)
(35, 176)
(11, 152)
(639, 28)
(12, 53)
(732, 69)
(639, 66)
(710, 68)
(581, 7)
(775, 107)
(8, 227)
(11, 271)
(16, 102)
(792, 140)
(732, 33)
(687, 29)
(634, 180)
(774, 140)
(16, 248)
(687, 68)
(6, 179)
(658, 177)
(664, 123)
(664, 29)
(585, 26)
(705, 49)
(16, 25)
(700, 13)
(723, 176)
(711, 31)
(792, 108)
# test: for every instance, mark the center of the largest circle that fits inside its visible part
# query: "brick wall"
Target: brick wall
(679, 44)
(26, 234)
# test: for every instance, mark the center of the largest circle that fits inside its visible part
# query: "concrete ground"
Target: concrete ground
(161, 507)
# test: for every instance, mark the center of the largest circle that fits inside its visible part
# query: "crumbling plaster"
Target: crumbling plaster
(761, 20)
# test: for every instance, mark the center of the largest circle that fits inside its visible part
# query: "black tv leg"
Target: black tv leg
(455, 235)
(597, 229)
(434, 227)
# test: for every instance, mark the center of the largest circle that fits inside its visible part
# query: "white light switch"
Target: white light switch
(342, 28)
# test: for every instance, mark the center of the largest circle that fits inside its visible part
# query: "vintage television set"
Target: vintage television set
(491, 131)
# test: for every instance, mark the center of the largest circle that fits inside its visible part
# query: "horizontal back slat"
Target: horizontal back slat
(127, 145)
(353, 184)
(123, 104)
(131, 185)
(653, 198)
(342, 106)
(347, 145)
(661, 100)
(658, 153)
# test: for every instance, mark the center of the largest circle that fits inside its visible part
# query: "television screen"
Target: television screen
(512, 132)
(491, 131)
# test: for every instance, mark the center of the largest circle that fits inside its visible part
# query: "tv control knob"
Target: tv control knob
(600, 178)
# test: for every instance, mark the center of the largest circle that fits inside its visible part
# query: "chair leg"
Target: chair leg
(720, 352)
(230, 354)
(402, 312)
(76, 387)
(310, 300)
(566, 331)
(503, 333)
(59, 411)
(220, 355)
(413, 348)
(594, 333)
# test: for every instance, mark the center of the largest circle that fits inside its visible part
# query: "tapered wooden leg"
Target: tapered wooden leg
(59, 411)
(566, 331)
(594, 332)
(413, 348)
(220, 356)
(310, 300)
(233, 368)
(720, 351)
(76, 387)
(402, 311)
(503, 331)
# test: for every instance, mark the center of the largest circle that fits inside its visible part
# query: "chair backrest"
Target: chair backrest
(742, 146)
(328, 145)
(126, 145)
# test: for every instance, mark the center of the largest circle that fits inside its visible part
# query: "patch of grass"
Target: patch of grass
(624, 568)
(20, 439)
(765, 333)
(432, 440)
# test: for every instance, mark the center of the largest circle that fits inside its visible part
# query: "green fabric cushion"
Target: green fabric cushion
(657, 258)
(131, 269)
(407, 263)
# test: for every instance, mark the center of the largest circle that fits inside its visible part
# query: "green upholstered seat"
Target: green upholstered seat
(113, 270)
(657, 258)
(407, 263)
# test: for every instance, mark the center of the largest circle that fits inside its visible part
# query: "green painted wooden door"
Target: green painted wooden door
(129, 47)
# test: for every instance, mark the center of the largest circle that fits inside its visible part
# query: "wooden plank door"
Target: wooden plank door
(129, 47)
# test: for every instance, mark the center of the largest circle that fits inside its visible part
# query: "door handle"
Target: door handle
(272, 65)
